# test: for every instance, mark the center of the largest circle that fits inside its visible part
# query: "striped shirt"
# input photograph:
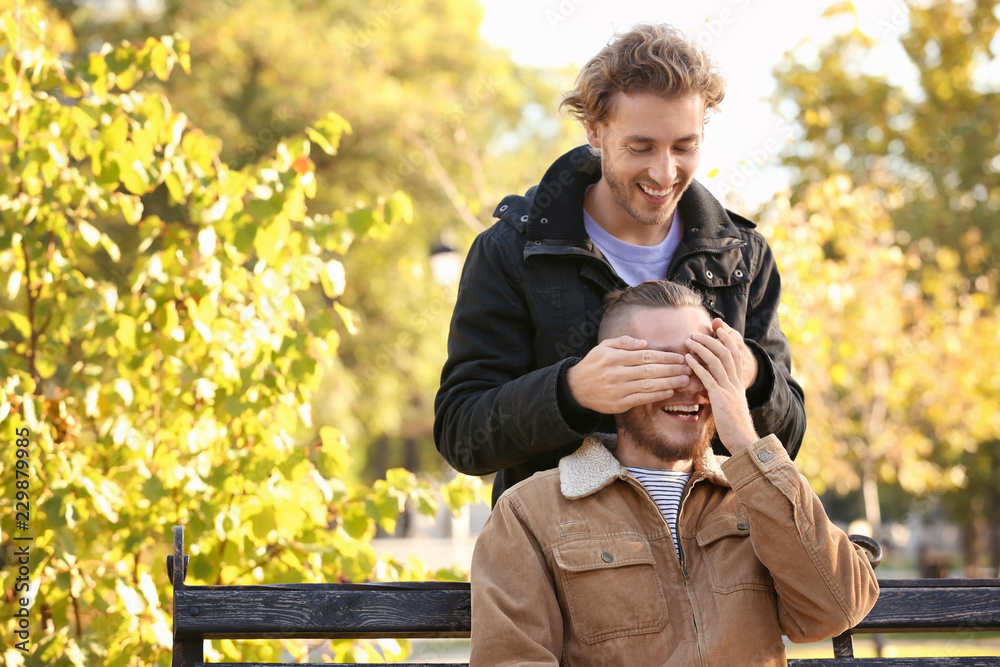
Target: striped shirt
(665, 487)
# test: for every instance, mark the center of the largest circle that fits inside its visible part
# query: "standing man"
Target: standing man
(525, 379)
(644, 548)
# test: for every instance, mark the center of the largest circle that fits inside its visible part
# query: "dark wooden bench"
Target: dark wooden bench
(443, 609)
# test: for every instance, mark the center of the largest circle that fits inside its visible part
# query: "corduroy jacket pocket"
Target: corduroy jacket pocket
(728, 552)
(611, 587)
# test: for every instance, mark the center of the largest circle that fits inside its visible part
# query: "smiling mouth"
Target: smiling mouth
(685, 412)
(656, 194)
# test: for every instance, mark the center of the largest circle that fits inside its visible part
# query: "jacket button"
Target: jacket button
(738, 274)
(503, 208)
(544, 221)
(524, 218)
(742, 526)
(764, 456)
(696, 229)
(606, 557)
(708, 274)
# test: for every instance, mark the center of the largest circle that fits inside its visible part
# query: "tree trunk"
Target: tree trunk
(869, 490)
(993, 508)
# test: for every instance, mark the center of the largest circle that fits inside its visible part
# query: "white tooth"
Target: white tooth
(655, 193)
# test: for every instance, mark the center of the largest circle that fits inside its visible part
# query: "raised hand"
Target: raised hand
(619, 374)
(719, 364)
(749, 372)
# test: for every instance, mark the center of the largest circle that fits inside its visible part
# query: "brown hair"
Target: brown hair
(655, 59)
(650, 294)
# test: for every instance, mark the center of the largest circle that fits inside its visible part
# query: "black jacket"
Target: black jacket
(529, 305)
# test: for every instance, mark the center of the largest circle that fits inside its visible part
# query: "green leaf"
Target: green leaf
(91, 236)
(399, 208)
(355, 520)
(361, 220)
(115, 134)
(131, 208)
(158, 61)
(328, 131)
(20, 322)
(263, 523)
(126, 331)
(333, 279)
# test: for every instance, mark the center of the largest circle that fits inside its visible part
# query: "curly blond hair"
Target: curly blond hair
(650, 58)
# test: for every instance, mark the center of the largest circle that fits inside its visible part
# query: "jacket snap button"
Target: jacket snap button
(538, 243)
(708, 274)
(742, 526)
(544, 221)
(738, 274)
(764, 456)
(524, 218)
(606, 557)
(503, 208)
(695, 229)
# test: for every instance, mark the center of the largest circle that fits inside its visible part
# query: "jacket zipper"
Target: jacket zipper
(680, 549)
(676, 538)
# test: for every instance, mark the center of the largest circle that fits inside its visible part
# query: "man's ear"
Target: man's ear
(593, 133)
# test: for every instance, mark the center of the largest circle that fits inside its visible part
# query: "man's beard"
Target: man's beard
(635, 426)
(624, 196)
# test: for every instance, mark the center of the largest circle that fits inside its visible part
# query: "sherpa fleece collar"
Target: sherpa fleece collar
(592, 467)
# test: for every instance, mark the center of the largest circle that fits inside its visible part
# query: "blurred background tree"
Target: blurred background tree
(162, 343)
(905, 212)
(436, 111)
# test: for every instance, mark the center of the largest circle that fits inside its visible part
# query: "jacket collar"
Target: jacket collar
(592, 467)
(555, 212)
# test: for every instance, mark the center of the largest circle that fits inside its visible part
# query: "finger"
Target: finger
(625, 342)
(661, 370)
(654, 385)
(635, 400)
(736, 348)
(639, 357)
(734, 335)
(718, 323)
(710, 360)
(707, 380)
(716, 345)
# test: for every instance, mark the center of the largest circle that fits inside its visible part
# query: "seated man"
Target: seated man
(645, 548)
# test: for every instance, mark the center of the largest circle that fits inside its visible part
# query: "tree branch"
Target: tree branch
(448, 185)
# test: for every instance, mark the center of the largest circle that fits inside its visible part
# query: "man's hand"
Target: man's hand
(718, 363)
(619, 374)
(749, 360)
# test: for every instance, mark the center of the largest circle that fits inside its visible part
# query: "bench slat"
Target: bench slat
(237, 612)
(807, 662)
(984, 661)
(934, 609)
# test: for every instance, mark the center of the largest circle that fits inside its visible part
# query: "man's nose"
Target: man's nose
(694, 386)
(664, 169)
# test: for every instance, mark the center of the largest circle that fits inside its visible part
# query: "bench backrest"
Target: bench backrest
(443, 609)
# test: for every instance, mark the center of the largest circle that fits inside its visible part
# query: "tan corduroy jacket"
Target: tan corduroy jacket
(576, 566)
